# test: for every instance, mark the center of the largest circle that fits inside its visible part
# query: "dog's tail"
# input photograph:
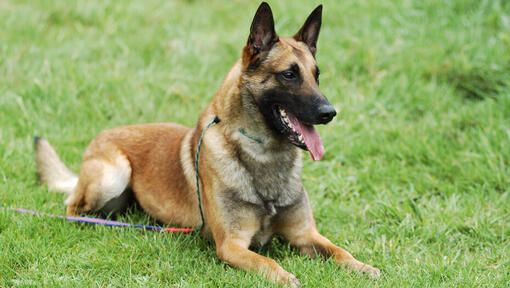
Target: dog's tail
(50, 168)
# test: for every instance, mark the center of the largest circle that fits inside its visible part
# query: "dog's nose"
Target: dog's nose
(326, 113)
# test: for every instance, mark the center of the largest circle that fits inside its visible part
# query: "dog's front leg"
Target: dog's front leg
(313, 242)
(233, 226)
(297, 226)
(235, 252)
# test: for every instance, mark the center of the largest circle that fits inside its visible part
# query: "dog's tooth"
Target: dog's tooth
(284, 114)
(286, 120)
(300, 137)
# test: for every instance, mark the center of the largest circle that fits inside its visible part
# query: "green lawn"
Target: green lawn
(416, 175)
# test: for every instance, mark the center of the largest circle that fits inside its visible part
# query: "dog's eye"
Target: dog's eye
(288, 75)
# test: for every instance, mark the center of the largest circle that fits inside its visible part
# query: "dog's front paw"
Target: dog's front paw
(287, 279)
(370, 271)
(292, 281)
(363, 268)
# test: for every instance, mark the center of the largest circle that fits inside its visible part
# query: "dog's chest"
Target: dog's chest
(265, 233)
(275, 183)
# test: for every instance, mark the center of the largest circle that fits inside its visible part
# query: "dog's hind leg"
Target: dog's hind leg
(102, 184)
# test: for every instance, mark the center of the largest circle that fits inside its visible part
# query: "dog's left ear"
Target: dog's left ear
(309, 33)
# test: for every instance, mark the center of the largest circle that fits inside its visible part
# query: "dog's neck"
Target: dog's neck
(234, 103)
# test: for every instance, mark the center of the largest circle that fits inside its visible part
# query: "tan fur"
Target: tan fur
(51, 170)
(250, 191)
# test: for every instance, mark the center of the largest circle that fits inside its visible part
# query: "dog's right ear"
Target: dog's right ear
(262, 33)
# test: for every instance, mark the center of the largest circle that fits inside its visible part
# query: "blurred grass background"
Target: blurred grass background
(415, 180)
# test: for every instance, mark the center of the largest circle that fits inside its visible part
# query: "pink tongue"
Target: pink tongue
(311, 137)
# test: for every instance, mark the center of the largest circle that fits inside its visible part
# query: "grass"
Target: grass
(416, 176)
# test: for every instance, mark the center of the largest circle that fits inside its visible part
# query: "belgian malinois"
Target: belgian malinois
(250, 160)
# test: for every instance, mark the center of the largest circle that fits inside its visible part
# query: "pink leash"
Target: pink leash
(106, 222)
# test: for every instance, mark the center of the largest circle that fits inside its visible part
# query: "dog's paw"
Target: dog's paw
(287, 279)
(292, 281)
(363, 269)
(370, 272)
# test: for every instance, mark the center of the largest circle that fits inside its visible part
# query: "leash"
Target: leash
(214, 121)
(106, 222)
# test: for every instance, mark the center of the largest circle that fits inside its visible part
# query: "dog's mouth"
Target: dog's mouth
(303, 135)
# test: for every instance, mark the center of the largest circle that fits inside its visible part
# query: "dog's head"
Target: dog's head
(283, 77)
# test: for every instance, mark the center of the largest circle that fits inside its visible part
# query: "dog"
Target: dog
(249, 141)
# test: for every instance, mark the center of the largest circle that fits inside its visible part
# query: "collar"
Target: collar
(254, 138)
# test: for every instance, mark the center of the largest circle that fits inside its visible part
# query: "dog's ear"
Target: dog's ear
(262, 34)
(309, 33)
